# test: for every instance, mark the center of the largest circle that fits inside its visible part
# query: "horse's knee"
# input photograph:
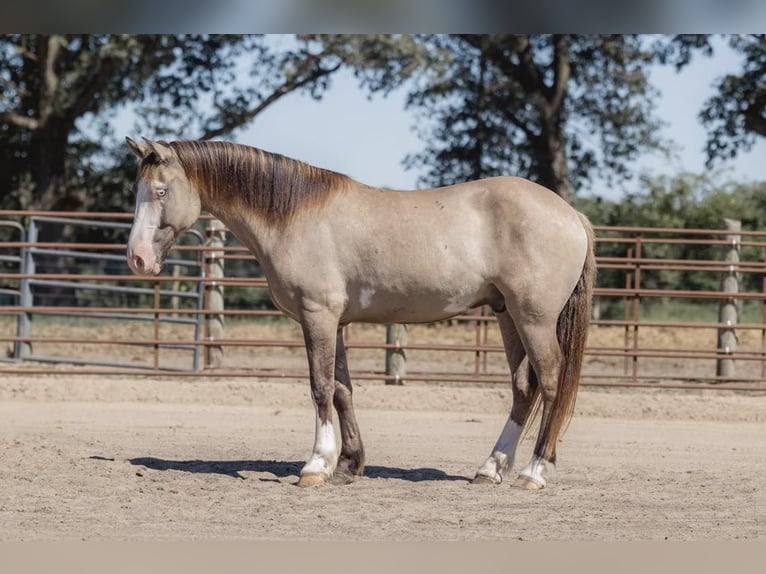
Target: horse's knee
(323, 395)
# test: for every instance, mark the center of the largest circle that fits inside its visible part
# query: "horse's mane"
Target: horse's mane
(236, 176)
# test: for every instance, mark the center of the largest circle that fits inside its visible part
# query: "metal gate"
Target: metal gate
(101, 280)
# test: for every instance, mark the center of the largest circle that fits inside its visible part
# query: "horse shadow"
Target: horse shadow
(286, 469)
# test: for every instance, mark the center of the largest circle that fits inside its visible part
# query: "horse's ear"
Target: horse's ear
(162, 150)
(140, 150)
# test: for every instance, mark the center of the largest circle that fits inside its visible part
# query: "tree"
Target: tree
(682, 201)
(554, 108)
(735, 116)
(59, 95)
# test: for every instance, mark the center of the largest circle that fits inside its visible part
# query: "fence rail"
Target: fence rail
(108, 321)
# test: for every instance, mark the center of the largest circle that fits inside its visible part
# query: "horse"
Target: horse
(335, 251)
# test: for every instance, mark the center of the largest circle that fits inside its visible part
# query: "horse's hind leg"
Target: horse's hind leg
(545, 358)
(524, 384)
(351, 460)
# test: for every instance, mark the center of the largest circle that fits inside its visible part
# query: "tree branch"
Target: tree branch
(525, 73)
(50, 51)
(561, 71)
(288, 86)
(755, 121)
(531, 135)
(526, 70)
(19, 120)
(94, 85)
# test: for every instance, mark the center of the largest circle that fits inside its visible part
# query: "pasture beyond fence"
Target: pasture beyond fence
(72, 305)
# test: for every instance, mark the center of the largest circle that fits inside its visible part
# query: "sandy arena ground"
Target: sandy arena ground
(143, 459)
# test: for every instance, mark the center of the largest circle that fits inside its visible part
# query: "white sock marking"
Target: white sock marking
(325, 454)
(535, 469)
(501, 459)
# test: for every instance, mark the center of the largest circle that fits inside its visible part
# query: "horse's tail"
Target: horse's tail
(572, 334)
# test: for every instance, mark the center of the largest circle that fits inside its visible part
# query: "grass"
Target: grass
(682, 311)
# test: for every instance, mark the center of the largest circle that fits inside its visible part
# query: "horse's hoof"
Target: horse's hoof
(311, 479)
(341, 478)
(528, 483)
(483, 479)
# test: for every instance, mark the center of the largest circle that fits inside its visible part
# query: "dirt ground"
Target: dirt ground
(160, 459)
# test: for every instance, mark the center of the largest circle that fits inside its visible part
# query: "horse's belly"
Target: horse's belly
(397, 315)
(379, 306)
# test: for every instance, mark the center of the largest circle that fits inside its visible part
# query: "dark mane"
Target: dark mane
(236, 176)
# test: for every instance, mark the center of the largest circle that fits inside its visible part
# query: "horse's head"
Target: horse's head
(166, 205)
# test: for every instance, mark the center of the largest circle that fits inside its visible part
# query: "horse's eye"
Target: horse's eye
(162, 192)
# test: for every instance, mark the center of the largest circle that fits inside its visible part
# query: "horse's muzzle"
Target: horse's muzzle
(143, 261)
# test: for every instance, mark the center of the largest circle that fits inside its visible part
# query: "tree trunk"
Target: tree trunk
(558, 166)
(49, 147)
(553, 171)
(49, 151)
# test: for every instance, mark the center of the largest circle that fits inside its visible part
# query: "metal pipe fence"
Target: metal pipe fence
(98, 319)
(35, 279)
(11, 257)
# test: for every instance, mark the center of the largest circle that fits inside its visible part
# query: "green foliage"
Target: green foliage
(60, 95)
(554, 108)
(682, 202)
(736, 114)
(686, 311)
(685, 201)
(248, 298)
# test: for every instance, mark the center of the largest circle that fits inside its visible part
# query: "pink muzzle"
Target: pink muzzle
(142, 260)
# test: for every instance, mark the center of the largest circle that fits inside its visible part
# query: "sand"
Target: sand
(86, 458)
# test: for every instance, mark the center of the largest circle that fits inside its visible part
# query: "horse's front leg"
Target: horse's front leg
(319, 332)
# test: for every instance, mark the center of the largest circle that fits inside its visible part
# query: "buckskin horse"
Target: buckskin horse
(335, 251)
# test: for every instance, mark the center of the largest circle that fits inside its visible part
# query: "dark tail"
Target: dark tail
(572, 333)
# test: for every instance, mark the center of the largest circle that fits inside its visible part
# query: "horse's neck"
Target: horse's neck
(245, 227)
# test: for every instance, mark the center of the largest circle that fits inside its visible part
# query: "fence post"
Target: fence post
(763, 331)
(23, 348)
(628, 312)
(637, 306)
(396, 359)
(216, 236)
(728, 310)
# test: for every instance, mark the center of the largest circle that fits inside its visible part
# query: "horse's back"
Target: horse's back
(489, 227)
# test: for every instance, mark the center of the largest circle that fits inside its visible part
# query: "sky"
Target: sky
(368, 137)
